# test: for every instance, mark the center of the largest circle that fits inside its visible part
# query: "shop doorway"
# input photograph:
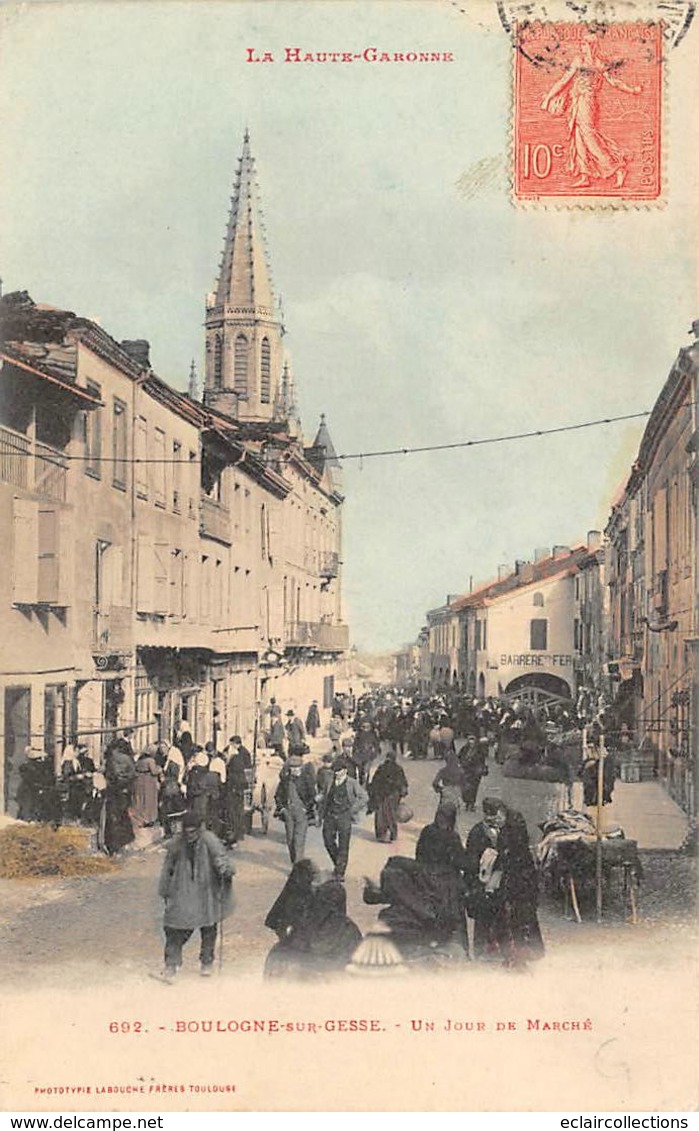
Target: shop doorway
(17, 738)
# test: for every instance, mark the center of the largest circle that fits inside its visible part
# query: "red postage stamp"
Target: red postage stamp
(587, 114)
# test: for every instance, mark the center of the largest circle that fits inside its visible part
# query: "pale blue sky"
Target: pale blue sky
(415, 316)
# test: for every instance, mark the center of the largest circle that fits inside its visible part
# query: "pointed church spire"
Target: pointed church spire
(323, 440)
(244, 329)
(244, 280)
(193, 385)
(324, 456)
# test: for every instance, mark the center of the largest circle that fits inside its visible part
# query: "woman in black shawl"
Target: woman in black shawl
(502, 885)
(388, 785)
(425, 896)
(120, 774)
(315, 935)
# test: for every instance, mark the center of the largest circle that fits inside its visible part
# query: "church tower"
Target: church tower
(244, 353)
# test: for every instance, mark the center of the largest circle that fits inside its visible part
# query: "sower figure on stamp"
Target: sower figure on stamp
(195, 884)
(577, 93)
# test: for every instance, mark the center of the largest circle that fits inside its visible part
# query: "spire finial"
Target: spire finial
(193, 386)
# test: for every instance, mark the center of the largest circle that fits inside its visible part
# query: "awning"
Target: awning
(86, 398)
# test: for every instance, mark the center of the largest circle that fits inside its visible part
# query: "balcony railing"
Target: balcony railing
(14, 458)
(215, 520)
(318, 636)
(35, 466)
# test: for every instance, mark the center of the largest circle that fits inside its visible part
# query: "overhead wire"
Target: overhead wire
(535, 433)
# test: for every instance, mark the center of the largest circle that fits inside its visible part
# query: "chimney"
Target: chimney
(540, 553)
(519, 566)
(138, 351)
(594, 540)
(504, 571)
(561, 551)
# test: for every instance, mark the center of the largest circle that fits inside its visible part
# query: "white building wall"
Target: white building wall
(509, 655)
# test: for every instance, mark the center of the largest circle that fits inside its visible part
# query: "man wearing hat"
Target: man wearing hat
(295, 730)
(195, 885)
(295, 799)
(342, 802)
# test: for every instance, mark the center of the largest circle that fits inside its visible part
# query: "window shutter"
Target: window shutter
(660, 530)
(25, 559)
(115, 590)
(276, 611)
(190, 582)
(145, 593)
(48, 556)
(66, 559)
(161, 578)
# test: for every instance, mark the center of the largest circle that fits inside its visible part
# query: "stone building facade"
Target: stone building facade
(170, 560)
(654, 588)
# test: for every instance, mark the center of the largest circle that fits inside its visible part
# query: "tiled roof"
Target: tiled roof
(532, 573)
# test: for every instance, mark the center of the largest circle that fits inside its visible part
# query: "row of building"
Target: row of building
(168, 558)
(613, 620)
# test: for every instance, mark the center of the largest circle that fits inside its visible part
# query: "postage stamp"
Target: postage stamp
(588, 112)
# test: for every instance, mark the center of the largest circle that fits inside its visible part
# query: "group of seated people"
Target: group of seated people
(425, 900)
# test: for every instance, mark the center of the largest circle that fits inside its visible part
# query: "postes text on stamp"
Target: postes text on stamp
(587, 113)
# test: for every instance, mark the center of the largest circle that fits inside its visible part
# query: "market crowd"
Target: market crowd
(201, 795)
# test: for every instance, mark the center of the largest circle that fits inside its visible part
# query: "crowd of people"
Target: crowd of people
(198, 795)
(131, 791)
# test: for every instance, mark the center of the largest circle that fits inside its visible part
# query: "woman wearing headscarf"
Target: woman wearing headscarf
(286, 915)
(502, 887)
(388, 785)
(120, 773)
(425, 896)
(440, 854)
(323, 939)
(145, 804)
(75, 782)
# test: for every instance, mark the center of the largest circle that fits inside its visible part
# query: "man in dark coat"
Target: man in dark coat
(388, 785)
(237, 771)
(365, 749)
(473, 759)
(342, 802)
(313, 719)
(295, 800)
(195, 885)
(295, 731)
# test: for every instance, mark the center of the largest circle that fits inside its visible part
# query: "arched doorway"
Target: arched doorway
(536, 690)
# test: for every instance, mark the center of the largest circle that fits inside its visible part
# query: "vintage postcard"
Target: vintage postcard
(349, 480)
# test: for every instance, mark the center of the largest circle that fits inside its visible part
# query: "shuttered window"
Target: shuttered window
(538, 635)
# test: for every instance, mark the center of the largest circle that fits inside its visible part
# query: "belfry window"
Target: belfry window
(240, 367)
(218, 362)
(265, 371)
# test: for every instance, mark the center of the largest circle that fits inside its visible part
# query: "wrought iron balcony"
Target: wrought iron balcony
(328, 563)
(319, 637)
